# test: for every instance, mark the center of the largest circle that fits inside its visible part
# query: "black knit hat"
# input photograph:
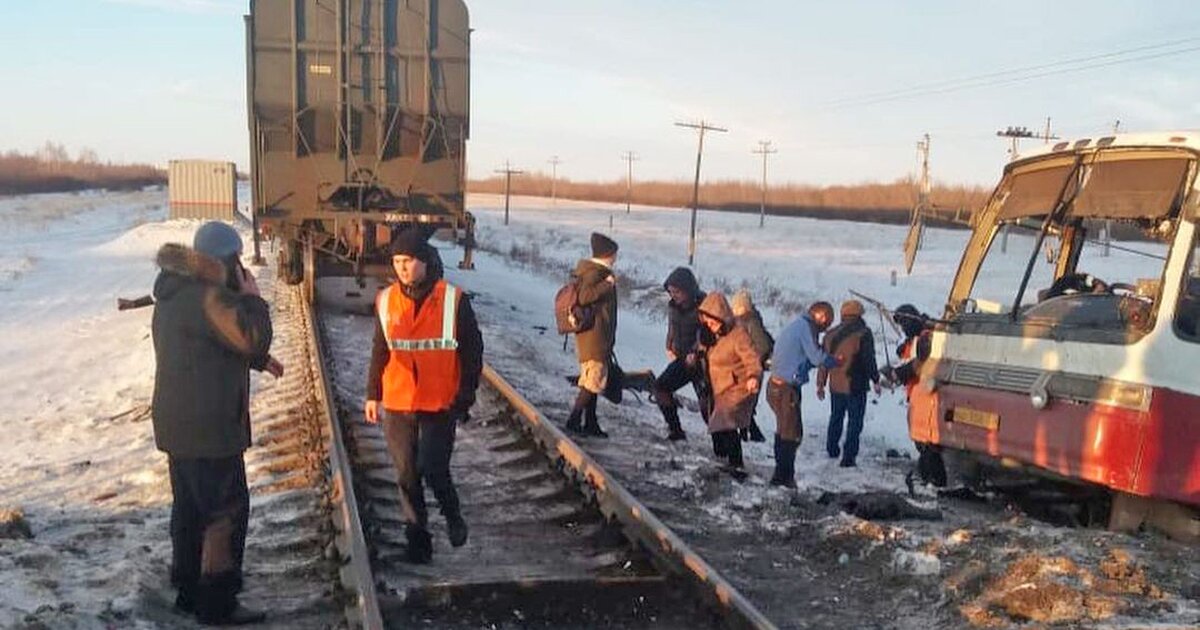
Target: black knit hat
(413, 242)
(602, 246)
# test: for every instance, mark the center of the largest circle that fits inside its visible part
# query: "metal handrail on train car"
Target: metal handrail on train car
(356, 574)
(638, 521)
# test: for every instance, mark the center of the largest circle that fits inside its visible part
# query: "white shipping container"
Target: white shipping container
(202, 189)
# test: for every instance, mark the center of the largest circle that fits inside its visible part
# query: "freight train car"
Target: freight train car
(358, 116)
(1068, 352)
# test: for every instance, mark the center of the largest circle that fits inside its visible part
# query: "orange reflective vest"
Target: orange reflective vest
(422, 372)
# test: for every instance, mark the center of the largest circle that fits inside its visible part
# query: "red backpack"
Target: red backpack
(569, 314)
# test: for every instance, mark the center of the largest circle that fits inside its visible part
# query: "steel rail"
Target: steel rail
(638, 522)
(356, 575)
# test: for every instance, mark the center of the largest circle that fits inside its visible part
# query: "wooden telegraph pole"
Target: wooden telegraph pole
(630, 157)
(508, 172)
(764, 149)
(554, 162)
(701, 127)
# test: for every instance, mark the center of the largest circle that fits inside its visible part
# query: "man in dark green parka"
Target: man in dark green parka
(210, 327)
(596, 287)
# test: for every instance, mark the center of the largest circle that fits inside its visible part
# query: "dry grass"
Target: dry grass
(50, 169)
(881, 202)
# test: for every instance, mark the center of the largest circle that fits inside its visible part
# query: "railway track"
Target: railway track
(555, 541)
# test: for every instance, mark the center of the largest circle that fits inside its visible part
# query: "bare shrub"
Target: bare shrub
(50, 169)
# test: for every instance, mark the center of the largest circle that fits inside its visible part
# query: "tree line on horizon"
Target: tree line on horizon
(52, 169)
(889, 202)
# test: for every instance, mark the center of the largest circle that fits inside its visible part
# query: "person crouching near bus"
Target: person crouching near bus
(425, 365)
(596, 288)
(748, 317)
(683, 348)
(210, 327)
(734, 372)
(853, 344)
(912, 353)
(796, 352)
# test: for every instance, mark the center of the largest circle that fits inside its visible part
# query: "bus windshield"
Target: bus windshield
(1079, 244)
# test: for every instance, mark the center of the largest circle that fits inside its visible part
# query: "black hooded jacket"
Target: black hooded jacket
(683, 320)
(470, 342)
(206, 339)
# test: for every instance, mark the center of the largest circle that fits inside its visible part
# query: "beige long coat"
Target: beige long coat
(732, 361)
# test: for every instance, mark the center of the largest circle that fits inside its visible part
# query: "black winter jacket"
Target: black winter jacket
(206, 339)
(683, 320)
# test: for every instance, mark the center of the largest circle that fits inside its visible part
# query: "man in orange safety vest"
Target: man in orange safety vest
(425, 367)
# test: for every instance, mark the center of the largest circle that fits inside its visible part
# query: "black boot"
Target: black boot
(591, 425)
(674, 428)
(756, 434)
(216, 603)
(744, 435)
(785, 463)
(575, 420)
(420, 545)
(456, 530)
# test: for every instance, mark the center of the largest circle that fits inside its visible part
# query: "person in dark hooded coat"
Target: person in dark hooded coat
(209, 327)
(683, 349)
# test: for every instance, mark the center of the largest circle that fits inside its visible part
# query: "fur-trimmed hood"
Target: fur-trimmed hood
(181, 264)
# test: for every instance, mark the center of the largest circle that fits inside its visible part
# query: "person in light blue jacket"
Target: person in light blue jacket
(797, 351)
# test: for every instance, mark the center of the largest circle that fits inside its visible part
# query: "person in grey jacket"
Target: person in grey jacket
(797, 351)
(210, 327)
(748, 317)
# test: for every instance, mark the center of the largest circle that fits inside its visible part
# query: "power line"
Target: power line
(1003, 77)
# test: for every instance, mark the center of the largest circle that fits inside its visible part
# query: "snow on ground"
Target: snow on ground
(78, 454)
(805, 564)
(786, 266)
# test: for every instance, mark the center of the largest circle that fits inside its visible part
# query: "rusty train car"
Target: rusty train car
(358, 114)
(1069, 354)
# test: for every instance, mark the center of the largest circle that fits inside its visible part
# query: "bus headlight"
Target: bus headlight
(1039, 398)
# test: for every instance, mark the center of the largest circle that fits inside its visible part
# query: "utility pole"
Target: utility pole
(1014, 134)
(701, 127)
(508, 172)
(925, 188)
(554, 162)
(630, 157)
(764, 149)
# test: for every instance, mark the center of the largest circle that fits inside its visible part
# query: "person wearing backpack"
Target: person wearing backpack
(596, 291)
(683, 349)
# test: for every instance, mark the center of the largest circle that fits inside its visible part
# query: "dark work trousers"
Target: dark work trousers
(676, 375)
(420, 446)
(728, 446)
(841, 405)
(209, 515)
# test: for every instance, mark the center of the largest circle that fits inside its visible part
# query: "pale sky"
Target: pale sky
(151, 80)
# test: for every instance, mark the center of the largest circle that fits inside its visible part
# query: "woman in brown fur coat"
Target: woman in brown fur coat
(734, 371)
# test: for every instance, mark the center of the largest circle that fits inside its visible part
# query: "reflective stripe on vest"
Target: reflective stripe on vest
(449, 319)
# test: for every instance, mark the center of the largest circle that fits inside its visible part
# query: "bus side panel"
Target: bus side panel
(1170, 463)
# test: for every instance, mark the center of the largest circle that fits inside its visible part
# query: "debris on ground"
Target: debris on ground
(13, 525)
(884, 506)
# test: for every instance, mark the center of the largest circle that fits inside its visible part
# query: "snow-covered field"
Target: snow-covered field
(78, 455)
